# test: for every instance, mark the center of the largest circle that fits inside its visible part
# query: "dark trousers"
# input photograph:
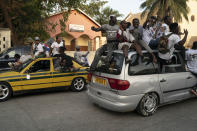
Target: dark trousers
(180, 48)
(110, 47)
(162, 62)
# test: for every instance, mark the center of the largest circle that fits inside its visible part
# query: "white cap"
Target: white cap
(37, 38)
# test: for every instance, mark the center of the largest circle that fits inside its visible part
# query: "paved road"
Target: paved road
(68, 111)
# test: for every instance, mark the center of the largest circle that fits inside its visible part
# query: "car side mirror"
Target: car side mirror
(6, 56)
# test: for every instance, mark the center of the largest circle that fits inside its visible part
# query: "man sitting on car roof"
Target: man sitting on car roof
(173, 39)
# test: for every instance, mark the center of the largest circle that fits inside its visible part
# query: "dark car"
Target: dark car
(8, 56)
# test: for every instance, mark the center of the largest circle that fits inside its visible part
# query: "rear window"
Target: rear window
(114, 66)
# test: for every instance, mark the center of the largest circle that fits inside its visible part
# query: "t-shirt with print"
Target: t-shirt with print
(129, 37)
(172, 40)
(148, 35)
(55, 47)
(137, 30)
(111, 31)
(191, 57)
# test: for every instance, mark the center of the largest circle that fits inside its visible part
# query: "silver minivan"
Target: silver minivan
(140, 85)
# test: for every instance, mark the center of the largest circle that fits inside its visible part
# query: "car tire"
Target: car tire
(78, 84)
(148, 104)
(5, 92)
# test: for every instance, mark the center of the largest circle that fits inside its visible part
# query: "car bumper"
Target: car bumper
(120, 104)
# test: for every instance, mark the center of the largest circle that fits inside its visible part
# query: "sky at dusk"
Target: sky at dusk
(125, 6)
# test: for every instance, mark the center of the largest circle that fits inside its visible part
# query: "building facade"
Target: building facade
(78, 31)
(5, 39)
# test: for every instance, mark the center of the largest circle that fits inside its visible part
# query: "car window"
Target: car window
(142, 66)
(24, 65)
(176, 64)
(40, 66)
(113, 67)
(56, 64)
(3, 53)
(173, 68)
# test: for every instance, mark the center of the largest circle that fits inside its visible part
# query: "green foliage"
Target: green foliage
(161, 8)
(96, 9)
(26, 18)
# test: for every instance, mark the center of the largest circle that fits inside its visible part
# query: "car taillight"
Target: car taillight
(89, 77)
(118, 84)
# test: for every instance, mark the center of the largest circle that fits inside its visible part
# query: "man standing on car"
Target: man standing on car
(56, 45)
(111, 31)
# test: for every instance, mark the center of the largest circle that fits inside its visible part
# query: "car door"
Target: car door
(61, 79)
(143, 75)
(173, 80)
(191, 80)
(38, 75)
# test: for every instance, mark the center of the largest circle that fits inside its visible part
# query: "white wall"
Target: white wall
(191, 26)
(5, 39)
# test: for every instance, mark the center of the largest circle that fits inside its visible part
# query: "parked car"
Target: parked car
(8, 56)
(140, 85)
(42, 73)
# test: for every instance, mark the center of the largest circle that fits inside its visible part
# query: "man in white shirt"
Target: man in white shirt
(19, 61)
(173, 39)
(37, 48)
(191, 57)
(151, 32)
(56, 45)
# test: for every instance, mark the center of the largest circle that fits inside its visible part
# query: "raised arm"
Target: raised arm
(182, 42)
(97, 29)
(86, 54)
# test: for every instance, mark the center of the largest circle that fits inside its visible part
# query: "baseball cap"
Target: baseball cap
(37, 38)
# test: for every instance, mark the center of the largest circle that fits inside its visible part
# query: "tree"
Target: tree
(175, 8)
(26, 18)
(96, 9)
(105, 13)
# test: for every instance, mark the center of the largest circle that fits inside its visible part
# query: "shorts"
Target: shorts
(120, 45)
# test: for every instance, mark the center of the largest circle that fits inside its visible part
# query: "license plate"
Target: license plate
(100, 81)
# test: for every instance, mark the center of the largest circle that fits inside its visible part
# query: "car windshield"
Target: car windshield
(4, 52)
(114, 66)
(24, 65)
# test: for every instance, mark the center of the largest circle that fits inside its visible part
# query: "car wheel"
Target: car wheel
(78, 84)
(5, 92)
(148, 104)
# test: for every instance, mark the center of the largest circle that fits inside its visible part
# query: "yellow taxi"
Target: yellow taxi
(42, 73)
